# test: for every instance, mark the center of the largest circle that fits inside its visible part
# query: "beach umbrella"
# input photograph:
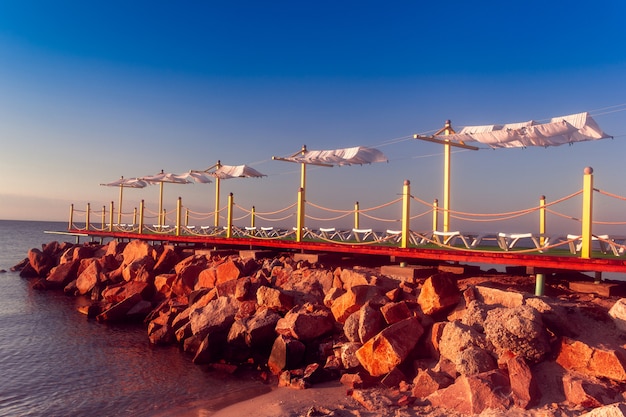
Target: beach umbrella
(357, 155)
(162, 178)
(561, 130)
(125, 183)
(224, 172)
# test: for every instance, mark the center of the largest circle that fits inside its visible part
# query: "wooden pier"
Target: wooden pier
(551, 260)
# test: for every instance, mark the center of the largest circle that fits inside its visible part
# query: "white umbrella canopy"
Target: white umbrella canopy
(224, 172)
(235, 171)
(162, 178)
(125, 183)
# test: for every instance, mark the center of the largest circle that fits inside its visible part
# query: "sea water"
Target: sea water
(56, 362)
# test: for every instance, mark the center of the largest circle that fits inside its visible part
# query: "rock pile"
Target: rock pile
(430, 342)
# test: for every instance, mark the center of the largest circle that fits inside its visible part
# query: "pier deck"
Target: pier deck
(551, 260)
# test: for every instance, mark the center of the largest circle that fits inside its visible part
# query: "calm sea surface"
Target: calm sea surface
(55, 362)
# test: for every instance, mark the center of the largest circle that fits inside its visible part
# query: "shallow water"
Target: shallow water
(55, 362)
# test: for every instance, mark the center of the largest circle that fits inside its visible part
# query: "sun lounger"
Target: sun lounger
(507, 241)
(363, 235)
(604, 241)
(450, 238)
(331, 233)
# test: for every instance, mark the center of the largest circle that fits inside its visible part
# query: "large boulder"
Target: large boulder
(618, 313)
(63, 274)
(306, 323)
(519, 330)
(592, 361)
(472, 394)
(354, 299)
(217, 316)
(439, 293)
(390, 347)
(287, 353)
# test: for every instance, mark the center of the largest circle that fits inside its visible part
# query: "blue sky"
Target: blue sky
(91, 91)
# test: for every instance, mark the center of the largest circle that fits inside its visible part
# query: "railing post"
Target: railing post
(186, 217)
(134, 216)
(229, 225)
(179, 212)
(104, 218)
(141, 209)
(164, 217)
(587, 217)
(300, 219)
(406, 213)
(435, 215)
(356, 215)
(87, 217)
(542, 220)
(253, 217)
(69, 226)
(111, 217)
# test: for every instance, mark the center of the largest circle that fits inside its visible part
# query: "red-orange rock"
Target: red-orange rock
(306, 323)
(287, 353)
(474, 394)
(524, 389)
(62, 274)
(274, 299)
(395, 312)
(586, 393)
(390, 347)
(166, 261)
(89, 278)
(439, 292)
(354, 299)
(206, 278)
(227, 271)
(428, 381)
(41, 262)
(137, 249)
(593, 361)
(118, 292)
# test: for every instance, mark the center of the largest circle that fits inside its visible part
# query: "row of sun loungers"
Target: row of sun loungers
(504, 241)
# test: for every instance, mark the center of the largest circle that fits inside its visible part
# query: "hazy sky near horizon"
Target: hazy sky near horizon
(92, 91)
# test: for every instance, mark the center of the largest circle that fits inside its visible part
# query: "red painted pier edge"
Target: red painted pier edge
(540, 261)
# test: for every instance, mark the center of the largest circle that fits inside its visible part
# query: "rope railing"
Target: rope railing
(172, 223)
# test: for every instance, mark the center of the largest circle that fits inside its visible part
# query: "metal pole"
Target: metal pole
(539, 284)
(586, 235)
(406, 213)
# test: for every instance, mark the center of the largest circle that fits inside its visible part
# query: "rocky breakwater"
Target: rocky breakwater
(435, 341)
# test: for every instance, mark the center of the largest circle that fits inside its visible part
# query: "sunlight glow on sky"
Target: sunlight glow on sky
(90, 92)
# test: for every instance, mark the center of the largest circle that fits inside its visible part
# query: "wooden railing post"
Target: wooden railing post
(253, 217)
(406, 213)
(587, 218)
(179, 212)
(435, 215)
(69, 226)
(141, 210)
(542, 220)
(87, 216)
(111, 216)
(300, 219)
(356, 215)
(229, 225)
